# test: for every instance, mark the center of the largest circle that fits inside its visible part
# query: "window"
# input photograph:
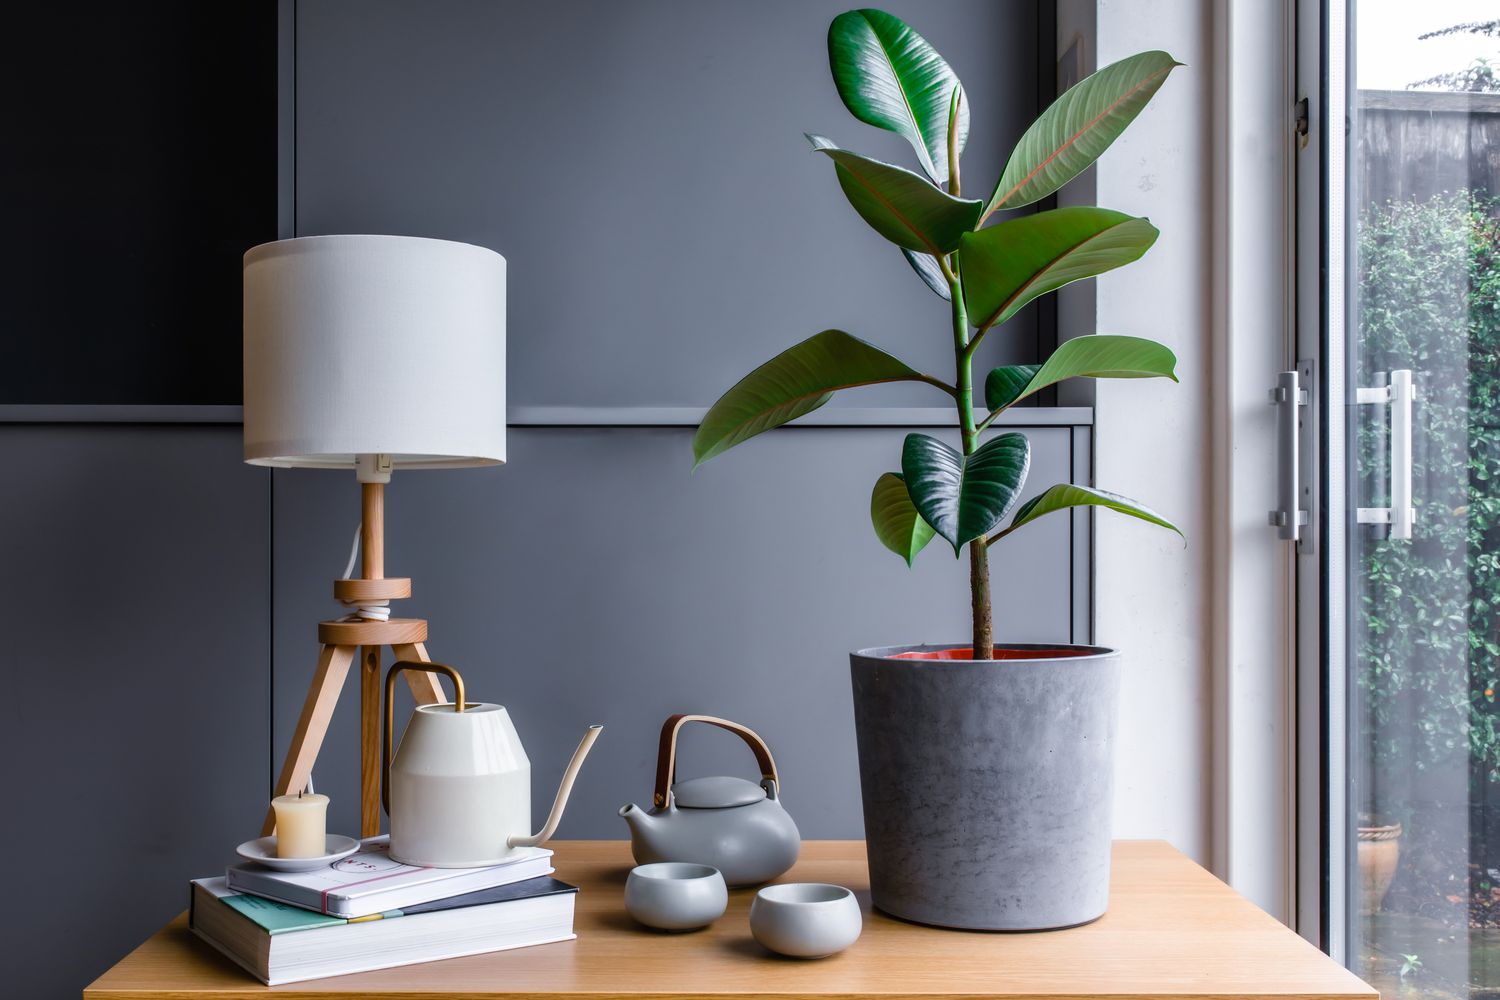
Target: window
(1412, 439)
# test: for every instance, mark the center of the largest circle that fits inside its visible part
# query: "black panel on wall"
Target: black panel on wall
(138, 164)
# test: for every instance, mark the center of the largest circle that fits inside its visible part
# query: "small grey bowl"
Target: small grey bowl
(675, 896)
(806, 919)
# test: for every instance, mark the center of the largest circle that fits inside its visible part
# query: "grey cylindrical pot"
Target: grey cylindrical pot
(988, 785)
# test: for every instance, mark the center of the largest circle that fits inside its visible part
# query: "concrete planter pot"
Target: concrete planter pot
(988, 786)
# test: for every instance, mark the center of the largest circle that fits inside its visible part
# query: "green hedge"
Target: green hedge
(1427, 637)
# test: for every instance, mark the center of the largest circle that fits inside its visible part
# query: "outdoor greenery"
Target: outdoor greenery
(1477, 77)
(1429, 649)
(889, 77)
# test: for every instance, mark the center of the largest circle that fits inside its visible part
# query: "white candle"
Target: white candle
(301, 825)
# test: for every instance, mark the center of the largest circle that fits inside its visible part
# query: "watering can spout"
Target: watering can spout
(563, 791)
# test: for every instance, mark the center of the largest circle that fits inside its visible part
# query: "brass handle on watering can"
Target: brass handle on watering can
(390, 714)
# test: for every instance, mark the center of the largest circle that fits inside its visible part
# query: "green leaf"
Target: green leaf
(1065, 495)
(889, 77)
(897, 524)
(1099, 356)
(1009, 264)
(963, 499)
(926, 266)
(900, 205)
(1004, 385)
(1079, 126)
(796, 381)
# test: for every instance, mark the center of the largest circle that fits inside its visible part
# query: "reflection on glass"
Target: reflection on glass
(1424, 154)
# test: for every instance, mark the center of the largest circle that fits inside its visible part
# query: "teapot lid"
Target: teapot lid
(719, 792)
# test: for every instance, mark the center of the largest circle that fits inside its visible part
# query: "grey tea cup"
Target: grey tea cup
(806, 919)
(676, 896)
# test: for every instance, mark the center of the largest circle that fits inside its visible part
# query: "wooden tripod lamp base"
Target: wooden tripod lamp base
(380, 353)
(344, 640)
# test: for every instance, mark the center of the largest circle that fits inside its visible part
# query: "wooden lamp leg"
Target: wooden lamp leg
(312, 724)
(372, 544)
(369, 741)
(345, 639)
(424, 688)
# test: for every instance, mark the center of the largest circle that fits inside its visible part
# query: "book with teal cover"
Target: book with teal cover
(281, 943)
(274, 917)
(279, 918)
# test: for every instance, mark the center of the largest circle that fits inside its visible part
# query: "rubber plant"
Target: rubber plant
(987, 263)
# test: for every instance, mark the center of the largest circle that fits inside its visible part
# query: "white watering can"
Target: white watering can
(459, 789)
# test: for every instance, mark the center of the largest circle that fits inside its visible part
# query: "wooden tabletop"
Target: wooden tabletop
(1172, 930)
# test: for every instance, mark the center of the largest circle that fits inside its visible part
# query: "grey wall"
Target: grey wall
(641, 166)
(134, 594)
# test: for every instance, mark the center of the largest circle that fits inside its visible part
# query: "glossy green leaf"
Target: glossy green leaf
(1007, 384)
(926, 266)
(889, 77)
(1008, 265)
(965, 498)
(1065, 495)
(1099, 356)
(897, 524)
(1078, 126)
(900, 205)
(796, 381)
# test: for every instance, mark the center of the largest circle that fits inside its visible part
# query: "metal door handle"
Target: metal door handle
(1400, 393)
(1288, 397)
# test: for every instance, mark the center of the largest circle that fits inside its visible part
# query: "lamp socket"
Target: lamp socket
(373, 468)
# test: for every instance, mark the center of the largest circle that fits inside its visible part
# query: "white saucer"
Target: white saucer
(263, 852)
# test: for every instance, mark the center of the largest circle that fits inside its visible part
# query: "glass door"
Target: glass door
(1411, 433)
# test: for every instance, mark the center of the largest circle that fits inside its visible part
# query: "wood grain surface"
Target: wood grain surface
(1173, 930)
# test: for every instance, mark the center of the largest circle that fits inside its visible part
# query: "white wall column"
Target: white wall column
(1206, 758)
(1153, 443)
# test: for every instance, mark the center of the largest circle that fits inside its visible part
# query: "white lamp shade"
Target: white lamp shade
(374, 345)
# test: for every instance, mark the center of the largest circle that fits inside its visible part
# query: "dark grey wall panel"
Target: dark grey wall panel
(135, 598)
(642, 168)
(594, 579)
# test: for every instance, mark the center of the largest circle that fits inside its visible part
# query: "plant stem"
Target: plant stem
(979, 598)
(979, 570)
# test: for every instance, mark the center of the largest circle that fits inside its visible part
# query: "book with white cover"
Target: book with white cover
(283, 944)
(370, 881)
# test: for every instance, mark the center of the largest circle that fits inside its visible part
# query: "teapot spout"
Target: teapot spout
(640, 821)
(563, 791)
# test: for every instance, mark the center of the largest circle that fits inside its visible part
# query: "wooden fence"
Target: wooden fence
(1414, 144)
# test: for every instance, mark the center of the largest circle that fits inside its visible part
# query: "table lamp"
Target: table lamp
(372, 354)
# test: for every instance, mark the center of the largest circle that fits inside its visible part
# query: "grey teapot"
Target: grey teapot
(733, 824)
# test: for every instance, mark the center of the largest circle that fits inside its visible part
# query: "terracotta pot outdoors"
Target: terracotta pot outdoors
(1379, 849)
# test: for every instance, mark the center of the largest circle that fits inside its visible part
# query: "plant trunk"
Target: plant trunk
(979, 565)
(979, 589)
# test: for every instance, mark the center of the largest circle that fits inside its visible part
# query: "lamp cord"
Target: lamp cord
(373, 611)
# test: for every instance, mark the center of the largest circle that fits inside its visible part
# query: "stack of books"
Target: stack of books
(368, 911)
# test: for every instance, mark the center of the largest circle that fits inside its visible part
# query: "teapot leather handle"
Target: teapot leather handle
(387, 751)
(666, 756)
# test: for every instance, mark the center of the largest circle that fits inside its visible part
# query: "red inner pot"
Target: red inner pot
(1001, 653)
